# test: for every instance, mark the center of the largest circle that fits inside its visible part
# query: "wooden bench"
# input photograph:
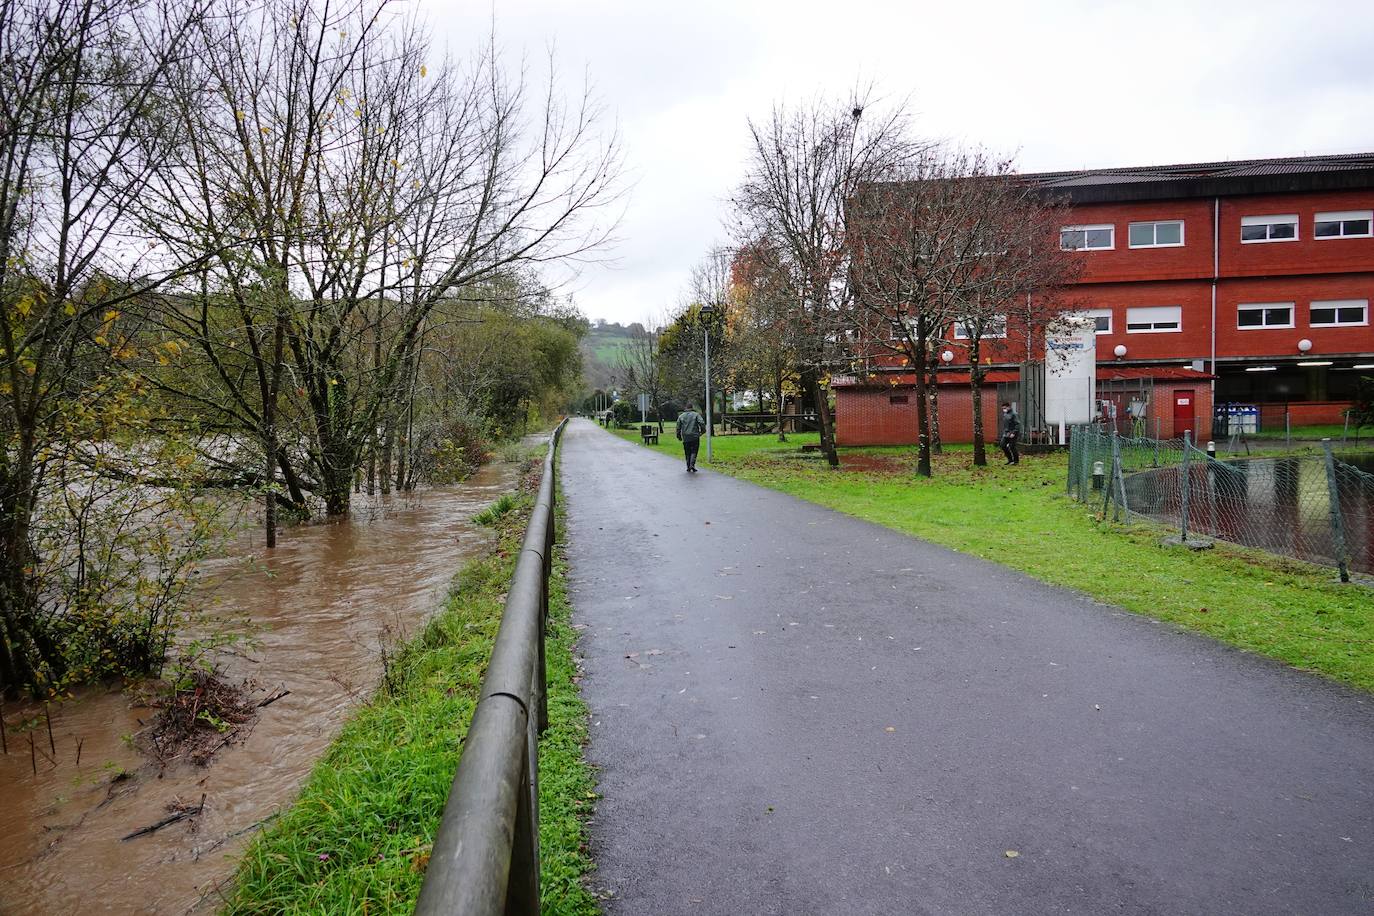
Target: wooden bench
(649, 434)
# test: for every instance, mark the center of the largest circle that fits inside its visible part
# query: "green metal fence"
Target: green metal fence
(1318, 508)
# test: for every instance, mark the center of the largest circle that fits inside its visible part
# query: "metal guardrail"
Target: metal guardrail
(486, 855)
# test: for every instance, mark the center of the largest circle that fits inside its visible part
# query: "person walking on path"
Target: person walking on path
(1011, 431)
(689, 429)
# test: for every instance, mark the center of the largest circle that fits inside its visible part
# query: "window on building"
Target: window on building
(896, 399)
(1265, 315)
(1269, 228)
(994, 328)
(1339, 313)
(1102, 320)
(1154, 319)
(1350, 224)
(1088, 238)
(1161, 234)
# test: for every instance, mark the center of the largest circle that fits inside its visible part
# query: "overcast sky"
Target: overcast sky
(1060, 84)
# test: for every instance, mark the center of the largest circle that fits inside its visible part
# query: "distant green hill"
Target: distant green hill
(601, 348)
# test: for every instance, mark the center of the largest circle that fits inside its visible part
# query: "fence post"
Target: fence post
(1185, 483)
(1337, 526)
(1085, 471)
(1119, 481)
(1073, 465)
(522, 887)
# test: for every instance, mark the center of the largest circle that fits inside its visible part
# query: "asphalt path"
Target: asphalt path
(796, 712)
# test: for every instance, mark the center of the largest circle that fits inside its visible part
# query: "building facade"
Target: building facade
(1242, 288)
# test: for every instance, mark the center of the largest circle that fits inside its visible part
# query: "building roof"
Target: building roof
(1344, 171)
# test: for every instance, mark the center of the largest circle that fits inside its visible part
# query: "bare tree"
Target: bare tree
(762, 334)
(915, 249)
(1020, 272)
(641, 369)
(806, 166)
(370, 188)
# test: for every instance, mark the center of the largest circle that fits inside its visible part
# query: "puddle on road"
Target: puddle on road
(324, 601)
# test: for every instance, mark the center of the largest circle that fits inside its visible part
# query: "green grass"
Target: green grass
(1019, 517)
(1332, 431)
(358, 839)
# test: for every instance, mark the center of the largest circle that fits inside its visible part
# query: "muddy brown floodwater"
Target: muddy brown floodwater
(325, 600)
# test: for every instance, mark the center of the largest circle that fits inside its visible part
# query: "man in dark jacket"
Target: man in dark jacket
(1011, 431)
(690, 426)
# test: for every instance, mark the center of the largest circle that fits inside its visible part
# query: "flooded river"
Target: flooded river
(324, 602)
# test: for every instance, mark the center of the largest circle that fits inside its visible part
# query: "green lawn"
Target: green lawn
(1019, 517)
(358, 839)
(1332, 431)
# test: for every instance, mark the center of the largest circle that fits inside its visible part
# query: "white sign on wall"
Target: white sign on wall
(1070, 370)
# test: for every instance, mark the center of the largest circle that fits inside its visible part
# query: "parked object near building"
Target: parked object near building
(1244, 283)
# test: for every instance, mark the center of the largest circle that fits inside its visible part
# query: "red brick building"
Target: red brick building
(1229, 283)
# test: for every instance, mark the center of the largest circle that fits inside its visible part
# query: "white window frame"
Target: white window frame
(1342, 217)
(1110, 227)
(1154, 225)
(1260, 307)
(1338, 304)
(961, 333)
(1273, 220)
(1101, 313)
(1155, 315)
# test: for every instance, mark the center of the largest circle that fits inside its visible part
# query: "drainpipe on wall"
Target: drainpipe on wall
(1216, 273)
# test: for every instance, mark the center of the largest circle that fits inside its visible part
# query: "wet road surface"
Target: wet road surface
(796, 712)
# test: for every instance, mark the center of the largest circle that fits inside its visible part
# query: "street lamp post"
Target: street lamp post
(706, 311)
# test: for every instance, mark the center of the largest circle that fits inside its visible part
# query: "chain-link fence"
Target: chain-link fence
(1318, 508)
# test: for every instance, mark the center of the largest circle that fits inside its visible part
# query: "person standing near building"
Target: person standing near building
(1011, 431)
(690, 426)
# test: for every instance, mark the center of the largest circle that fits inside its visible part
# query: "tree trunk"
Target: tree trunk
(936, 445)
(812, 387)
(922, 406)
(778, 408)
(388, 435)
(269, 424)
(975, 379)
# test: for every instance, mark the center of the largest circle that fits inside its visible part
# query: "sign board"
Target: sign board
(1070, 370)
(643, 408)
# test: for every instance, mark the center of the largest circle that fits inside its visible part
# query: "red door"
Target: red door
(1184, 413)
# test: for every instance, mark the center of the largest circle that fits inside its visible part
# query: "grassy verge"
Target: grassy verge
(1019, 517)
(358, 839)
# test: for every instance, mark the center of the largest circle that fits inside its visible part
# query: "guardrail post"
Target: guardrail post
(1185, 483)
(1337, 524)
(522, 890)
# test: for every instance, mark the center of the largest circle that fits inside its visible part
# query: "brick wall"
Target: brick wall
(887, 416)
(872, 416)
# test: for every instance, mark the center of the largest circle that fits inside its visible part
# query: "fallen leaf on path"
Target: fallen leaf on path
(1012, 853)
(889, 729)
(632, 655)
